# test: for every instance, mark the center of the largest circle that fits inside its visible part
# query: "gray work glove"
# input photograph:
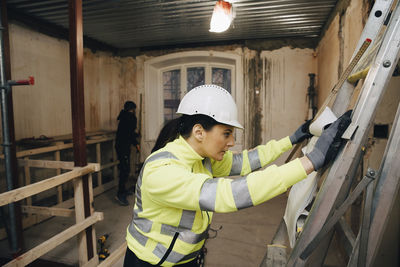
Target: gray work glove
(301, 133)
(329, 142)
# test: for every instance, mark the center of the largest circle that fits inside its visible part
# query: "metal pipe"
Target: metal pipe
(5, 88)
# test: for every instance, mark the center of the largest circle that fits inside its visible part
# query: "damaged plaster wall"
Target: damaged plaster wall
(284, 94)
(45, 108)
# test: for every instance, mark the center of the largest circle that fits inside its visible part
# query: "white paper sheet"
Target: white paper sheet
(322, 120)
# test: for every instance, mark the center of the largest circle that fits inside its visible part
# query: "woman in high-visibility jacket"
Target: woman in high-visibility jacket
(177, 192)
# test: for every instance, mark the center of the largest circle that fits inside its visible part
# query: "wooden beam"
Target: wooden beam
(108, 165)
(49, 211)
(30, 190)
(95, 166)
(115, 256)
(57, 157)
(98, 160)
(41, 150)
(50, 164)
(53, 148)
(35, 219)
(83, 247)
(93, 262)
(56, 240)
(115, 158)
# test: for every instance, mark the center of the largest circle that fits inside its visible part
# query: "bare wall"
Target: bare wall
(45, 108)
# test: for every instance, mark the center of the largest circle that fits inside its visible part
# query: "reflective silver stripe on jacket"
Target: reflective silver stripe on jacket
(237, 162)
(145, 225)
(240, 192)
(137, 235)
(173, 256)
(138, 192)
(160, 250)
(208, 194)
(254, 159)
(184, 228)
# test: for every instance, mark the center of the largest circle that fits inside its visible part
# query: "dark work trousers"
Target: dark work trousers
(131, 260)
(124, 166)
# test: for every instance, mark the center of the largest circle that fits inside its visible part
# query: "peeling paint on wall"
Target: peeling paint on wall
(254, 72)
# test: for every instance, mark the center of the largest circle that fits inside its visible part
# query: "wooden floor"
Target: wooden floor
(242, 240)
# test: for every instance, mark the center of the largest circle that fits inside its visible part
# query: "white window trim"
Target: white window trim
(153, 69)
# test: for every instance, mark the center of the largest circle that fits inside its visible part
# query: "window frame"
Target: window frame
(154, 110)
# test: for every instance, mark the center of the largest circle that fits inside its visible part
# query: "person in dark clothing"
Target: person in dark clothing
(126, 136)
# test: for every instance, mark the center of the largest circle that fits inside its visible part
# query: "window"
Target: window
(195, 76)
(222, 77)
(169, 77)
(171, 86)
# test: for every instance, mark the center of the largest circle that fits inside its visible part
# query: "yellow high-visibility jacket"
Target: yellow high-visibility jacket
(176, 195)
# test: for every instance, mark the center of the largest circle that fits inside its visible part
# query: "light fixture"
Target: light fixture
(222, 16)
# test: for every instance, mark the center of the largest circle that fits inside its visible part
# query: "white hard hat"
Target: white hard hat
(211, 100)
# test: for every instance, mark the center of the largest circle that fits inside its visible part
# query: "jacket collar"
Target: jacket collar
(181, 149)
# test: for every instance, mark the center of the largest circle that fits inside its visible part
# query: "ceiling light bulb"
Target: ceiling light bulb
(222, 17)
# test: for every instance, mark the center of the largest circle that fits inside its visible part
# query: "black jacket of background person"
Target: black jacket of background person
(126, 135)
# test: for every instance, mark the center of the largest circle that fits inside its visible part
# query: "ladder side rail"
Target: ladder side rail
(363, 115)
(386, 191)
(371, 30)
(375, 21)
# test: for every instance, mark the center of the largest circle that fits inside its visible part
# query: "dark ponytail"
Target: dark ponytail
(182, 126)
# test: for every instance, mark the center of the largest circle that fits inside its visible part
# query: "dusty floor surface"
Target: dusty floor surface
(242, 240)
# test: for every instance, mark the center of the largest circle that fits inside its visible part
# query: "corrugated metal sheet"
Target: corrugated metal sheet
(138, 23)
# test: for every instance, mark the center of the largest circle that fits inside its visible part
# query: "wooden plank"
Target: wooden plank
(41, 150)
(49, 211)
(35, 219)
(114, 157)
(57, 157)
(108, 165)
(92, 262)
(98, 160)
(115, 256)
(96, 166)
(49, 164)
(56, 240)
(30, 190)
(79, 217)
(91, 212)
(95, 141)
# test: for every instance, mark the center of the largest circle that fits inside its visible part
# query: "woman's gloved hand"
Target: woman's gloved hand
(301, 133)
(329, 142)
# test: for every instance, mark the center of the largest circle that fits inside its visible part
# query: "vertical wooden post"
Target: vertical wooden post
(98, 160)
(78, 122)
(115, 168)
(59, 188)
(83, 248)
(90, 180)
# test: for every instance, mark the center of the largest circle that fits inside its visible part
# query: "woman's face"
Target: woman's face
(217, 141)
